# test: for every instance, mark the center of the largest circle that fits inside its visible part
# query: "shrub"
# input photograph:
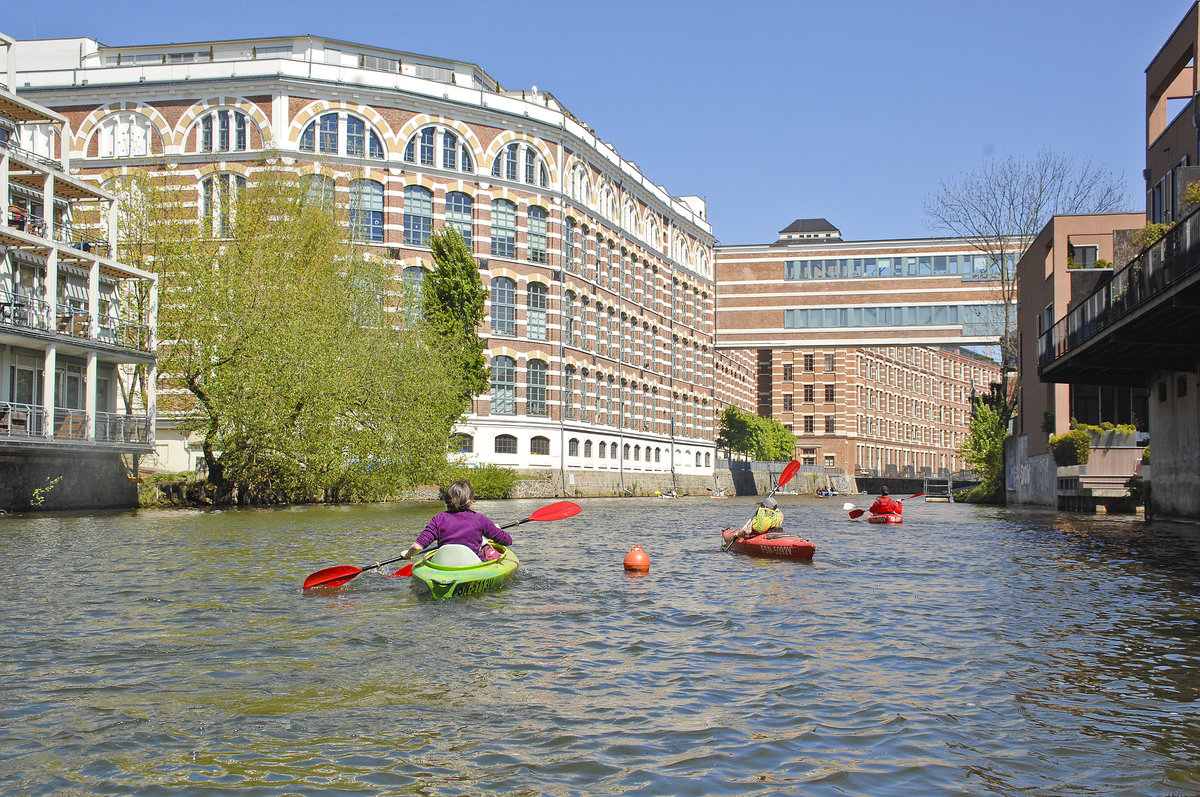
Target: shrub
(491, 482)
(1146, 455)
(1072, 448)
(1139, 489)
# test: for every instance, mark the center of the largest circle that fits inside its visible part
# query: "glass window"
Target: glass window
(540, 446)
(366, 211)
(504, 228)
(318, 190)
(504, 306)
(459, 209)
(536, 319)
(466, 444)
(506, 444)
(418, 215)
(536, 389)
(829, 423)
(537, 234)
(569, 392)
(218, 202)
(504, 388)
(223, 131)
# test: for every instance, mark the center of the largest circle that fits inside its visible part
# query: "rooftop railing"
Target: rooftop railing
(1159, 267)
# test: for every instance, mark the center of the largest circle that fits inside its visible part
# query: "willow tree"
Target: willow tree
(1001, 207)
(452, 302)
(301, 376)
(761, 438)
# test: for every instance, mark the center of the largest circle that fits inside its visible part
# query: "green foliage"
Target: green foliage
(1048, 422)
(38, 498)
(491, 482)
(983, 450)
(1139, 490)
(306, 382)
(1146, 455)
(1106, 426)
(1072, 448)
(1102, 263)
(1191, 194)
(761, 438)
(453, 300)
(1150, 234)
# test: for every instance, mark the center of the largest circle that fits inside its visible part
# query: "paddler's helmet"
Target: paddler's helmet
(883, 491)
(769, 503)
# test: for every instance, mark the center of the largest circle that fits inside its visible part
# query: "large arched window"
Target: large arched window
(318, 190)
(570, 246)
(418, 215)
(439, 147)
(125, 135)
(504, 228)
(504, 386)
(608, 204)
(218, 202)
(539, 446)
(506, 444)
(339, 133)
(366, 211)
(504, 306)
(568, 397)
(537, 235)
(522, 163)
(414, 285)
(535, 396)
(579, 187)
(569, 319)
(224, 130)
(535, 321)
(459, 210)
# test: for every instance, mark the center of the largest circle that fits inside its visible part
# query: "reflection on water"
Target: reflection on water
(967, 651)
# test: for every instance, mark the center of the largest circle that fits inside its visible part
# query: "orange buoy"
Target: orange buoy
(636, 560)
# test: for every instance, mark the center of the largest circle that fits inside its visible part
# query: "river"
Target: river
(968, 651)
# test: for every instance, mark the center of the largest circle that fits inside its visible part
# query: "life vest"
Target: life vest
(765, 520)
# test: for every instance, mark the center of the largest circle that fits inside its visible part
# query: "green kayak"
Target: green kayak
(445, 581)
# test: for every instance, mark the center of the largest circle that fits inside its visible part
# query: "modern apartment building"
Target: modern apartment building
(600, 329)
(77, 326)
(860, 345)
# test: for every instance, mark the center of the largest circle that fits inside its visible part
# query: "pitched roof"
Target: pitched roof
(809, 225)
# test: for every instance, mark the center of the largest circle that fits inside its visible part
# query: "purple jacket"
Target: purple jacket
(462, 528)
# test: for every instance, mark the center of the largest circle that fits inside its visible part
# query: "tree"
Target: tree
(761, 438)
(1000, 209)
(303, 377)
(983, 450)
(452, 302)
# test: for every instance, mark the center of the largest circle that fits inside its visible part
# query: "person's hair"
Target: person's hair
(883, 490)
(459, 496)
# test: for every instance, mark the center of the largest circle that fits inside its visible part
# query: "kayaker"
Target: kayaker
(459, 525)
(766, 518)
(884, 505)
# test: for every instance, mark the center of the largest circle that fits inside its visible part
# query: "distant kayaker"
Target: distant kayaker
(884, 505)
(459, 525)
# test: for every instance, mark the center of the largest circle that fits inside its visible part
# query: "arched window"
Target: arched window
(366, 211)
(504, 228)
(570, 246)
(418, 215)
(658, 454)
(466, 444)
(537, 235)
(535, 391)
(414, 285)
(568, 397)
(637, 453)
(224, 130)
(579, 187)
(603, 450)
(587, 449)
(608, 204)
(504, 386)
(539, 446)
(569, 319)
(535, 321)
(439, 147)
(573, 447)
(625, 452)
(521, 162)
(459, 210)
(318, 190)
(218, 202)
(324, 135)
(629, 216)
(504, 306)
(506, 444)
(125, 135)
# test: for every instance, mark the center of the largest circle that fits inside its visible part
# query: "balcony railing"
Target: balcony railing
(21, 312)
(27, 422)
(72, 236)
(1160, 266)
(32, 157)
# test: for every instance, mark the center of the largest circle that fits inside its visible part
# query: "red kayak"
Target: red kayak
(887, 518)
(777, 544)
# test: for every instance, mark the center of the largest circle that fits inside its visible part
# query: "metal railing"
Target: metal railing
(114, 427)
(33, 157)
(27, 421)
(21, 420)
(1157, 268)
(23, 312)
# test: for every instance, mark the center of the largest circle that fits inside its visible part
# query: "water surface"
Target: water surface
(968, 651)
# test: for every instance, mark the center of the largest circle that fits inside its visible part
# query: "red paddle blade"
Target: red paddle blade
(857, 513)
(918, 495)
(563, 509)
(791, 470)
(404, 572)
(331, 577)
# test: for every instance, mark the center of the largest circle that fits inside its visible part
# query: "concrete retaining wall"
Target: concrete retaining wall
(49, 482)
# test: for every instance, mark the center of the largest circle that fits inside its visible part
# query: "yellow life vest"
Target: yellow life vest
(766, 519)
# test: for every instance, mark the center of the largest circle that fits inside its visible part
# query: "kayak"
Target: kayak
(887, 518)
(777, 544)
(445, 581)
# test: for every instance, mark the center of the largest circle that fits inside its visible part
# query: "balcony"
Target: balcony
(25, 424)
(1140, 320)
(19, 313)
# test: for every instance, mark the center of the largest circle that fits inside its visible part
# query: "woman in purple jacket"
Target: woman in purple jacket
(458, 525)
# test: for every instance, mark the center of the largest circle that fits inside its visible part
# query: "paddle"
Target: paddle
(790, 470)
(857, 513)
(336, 576)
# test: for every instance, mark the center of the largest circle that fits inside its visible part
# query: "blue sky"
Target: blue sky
(843, 109)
